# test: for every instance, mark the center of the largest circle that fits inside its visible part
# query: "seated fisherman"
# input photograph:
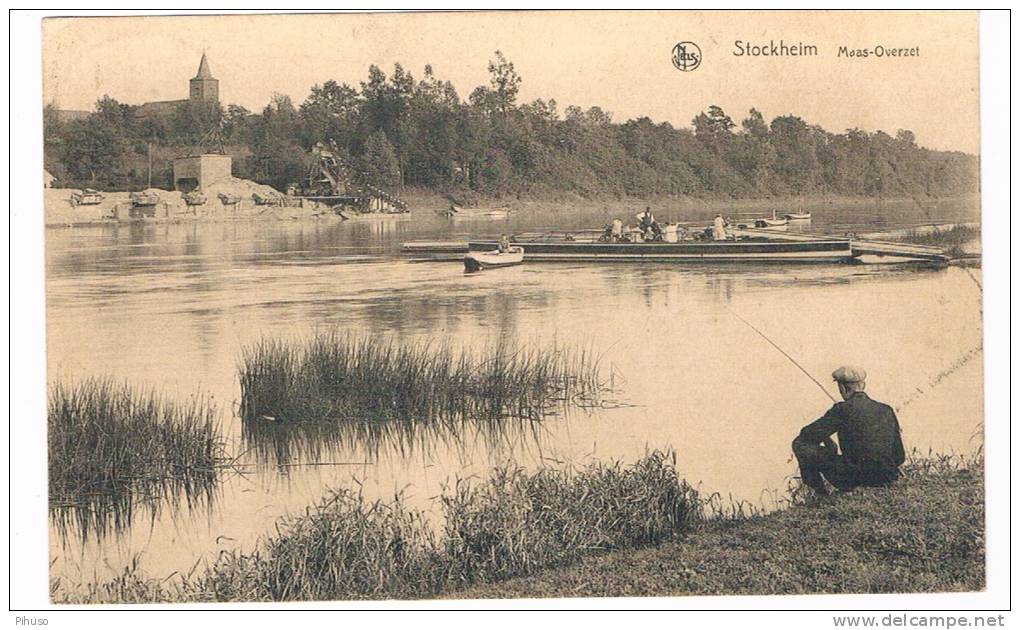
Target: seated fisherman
(504, 243)
(869, 438)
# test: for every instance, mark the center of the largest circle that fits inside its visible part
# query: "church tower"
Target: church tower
(204, 88)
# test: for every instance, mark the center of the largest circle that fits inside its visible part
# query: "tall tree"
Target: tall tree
(379, 163)
(330, 113)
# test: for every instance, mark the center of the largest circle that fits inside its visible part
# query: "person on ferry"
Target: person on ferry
(617, 228)
(719, 228)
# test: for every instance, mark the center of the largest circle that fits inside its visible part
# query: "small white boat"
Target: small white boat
(476, 261)
(457, 212)
(765, 223)
(798, 216)
(774, 222)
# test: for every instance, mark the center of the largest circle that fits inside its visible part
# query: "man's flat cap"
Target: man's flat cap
(849, 374)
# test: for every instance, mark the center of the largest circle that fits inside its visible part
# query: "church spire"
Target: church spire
(203, 68)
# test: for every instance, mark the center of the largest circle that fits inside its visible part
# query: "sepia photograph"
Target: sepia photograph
(512, 305)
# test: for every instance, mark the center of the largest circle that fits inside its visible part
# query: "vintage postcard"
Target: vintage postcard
(512, 305)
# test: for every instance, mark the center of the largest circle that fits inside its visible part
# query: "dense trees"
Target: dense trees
(408, 132)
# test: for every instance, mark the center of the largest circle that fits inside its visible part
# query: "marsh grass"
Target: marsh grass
(519, 522)
(113, 447)
(512, 525)
(951, 239)
(374, 390)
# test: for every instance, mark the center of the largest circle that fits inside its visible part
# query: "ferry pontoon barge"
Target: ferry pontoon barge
(828, 250)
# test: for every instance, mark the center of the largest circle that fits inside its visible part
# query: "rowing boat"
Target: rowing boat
(798, 216)
(457, 212)
(492, 258)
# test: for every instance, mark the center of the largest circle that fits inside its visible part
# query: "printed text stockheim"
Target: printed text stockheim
(772, 48)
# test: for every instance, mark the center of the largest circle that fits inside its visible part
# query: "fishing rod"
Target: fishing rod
(784, 353)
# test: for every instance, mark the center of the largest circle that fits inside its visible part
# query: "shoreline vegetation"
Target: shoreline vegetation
(925, 533)
(113, 446)
(560, 532)
(958, 241)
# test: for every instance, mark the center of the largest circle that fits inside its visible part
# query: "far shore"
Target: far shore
(59, 214)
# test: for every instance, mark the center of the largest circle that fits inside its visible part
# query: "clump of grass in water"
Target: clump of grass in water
(111, 446)
(515, 524)
(951, 239)
(345, 377)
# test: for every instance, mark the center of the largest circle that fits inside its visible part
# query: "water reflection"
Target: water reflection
(279, 446)
(109, 514)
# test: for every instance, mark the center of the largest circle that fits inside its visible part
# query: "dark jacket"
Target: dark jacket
(869, 436)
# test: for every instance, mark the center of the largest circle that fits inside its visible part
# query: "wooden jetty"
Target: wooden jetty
(861, 247)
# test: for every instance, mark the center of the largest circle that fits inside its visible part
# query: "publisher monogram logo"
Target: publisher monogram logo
(686, 56)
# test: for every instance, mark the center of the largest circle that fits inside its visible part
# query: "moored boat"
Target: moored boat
(349, 214)
(458, 212)
(774, 222)
(797, 216)
(770, 223)
(488, 258)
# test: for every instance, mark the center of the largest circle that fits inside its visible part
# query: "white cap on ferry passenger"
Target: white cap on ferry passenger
(849, 374)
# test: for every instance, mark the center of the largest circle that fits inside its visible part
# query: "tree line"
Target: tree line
(406, 132)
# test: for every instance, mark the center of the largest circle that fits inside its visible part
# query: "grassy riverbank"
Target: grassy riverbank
(514, 524)
(606, 530)
(925, 534)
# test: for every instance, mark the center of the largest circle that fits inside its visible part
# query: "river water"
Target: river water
(171, 306)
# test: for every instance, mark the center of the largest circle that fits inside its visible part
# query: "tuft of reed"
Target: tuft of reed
(112, 446)
(343, 377)
(519, 522)
(951, 239)
(515, 524)
(343, 545)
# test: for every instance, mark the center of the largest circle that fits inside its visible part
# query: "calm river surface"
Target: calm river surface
(171, 306)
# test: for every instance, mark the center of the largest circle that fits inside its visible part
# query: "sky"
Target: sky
(620, 61)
